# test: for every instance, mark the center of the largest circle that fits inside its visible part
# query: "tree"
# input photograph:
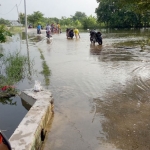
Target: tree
(103, 12)
(5, 22)
(79, 16)
(35, 18)
(90, 23)
(138, 5)
(77, 23)
(4, 33)
(51, 20)
(22, 18)
(66, 21)
(114, 15)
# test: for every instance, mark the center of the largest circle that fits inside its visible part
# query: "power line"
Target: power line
(19, 3)
(11, 9)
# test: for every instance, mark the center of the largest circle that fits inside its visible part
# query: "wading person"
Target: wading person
(58, 28)
(39, 29)
(48, 31)
(76, 32)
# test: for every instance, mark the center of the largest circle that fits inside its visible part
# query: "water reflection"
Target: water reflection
(118, 54)
(35, 39)
(48, 41)
(126, 113)
(39, 38)
(95, 49)
(8, 101)
(23, 36)
(29, 63)
(26, 105)
(1, 49)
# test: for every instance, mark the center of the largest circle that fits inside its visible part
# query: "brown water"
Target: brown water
(101, 92)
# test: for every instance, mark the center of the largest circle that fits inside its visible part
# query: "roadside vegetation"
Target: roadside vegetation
(5, 22)
(4, 33)
(46, 71)
(124, 13)
(79, 20)
(12, 69)
(14, 30)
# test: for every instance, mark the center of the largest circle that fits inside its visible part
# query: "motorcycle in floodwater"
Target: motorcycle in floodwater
(70, 33)
(49, 37)
(96, 37)
(4, 143)
(48, 34)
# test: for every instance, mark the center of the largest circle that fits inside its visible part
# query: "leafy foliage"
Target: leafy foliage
(4, 22)
(79, 20)
(12, 69)
(90, 23)
(79, 16)
(137, 5)
(35, 18)
(22, 18)
(123, 13)
(7, 100)
(4, 33)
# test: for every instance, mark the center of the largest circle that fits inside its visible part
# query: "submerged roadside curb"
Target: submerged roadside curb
(30, 133)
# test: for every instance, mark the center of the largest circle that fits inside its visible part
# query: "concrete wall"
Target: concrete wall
(30, 133)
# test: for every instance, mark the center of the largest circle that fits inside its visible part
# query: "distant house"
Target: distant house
(15, 23)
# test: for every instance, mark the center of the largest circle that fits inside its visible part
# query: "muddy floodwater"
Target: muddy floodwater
(102, 98)
(101, 92)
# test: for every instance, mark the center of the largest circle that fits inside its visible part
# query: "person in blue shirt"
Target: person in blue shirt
(39, 29)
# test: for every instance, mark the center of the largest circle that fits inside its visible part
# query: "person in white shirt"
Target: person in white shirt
(48, 31)
(48, 28)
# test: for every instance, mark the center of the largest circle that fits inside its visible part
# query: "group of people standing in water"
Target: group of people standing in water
(55, 28)
(71, 32)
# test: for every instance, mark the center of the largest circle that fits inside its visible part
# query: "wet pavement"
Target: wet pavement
(101, 92)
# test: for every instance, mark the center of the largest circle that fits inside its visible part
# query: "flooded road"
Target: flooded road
(101, 92)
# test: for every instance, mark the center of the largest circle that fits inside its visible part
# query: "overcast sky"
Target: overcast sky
(50, 8)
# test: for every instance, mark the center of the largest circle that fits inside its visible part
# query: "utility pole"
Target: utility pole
(26, 22)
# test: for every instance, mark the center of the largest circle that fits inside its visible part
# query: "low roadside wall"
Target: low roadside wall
(30, 133)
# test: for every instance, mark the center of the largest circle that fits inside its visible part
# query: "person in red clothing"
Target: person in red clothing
(1, 139)
(2, 145)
